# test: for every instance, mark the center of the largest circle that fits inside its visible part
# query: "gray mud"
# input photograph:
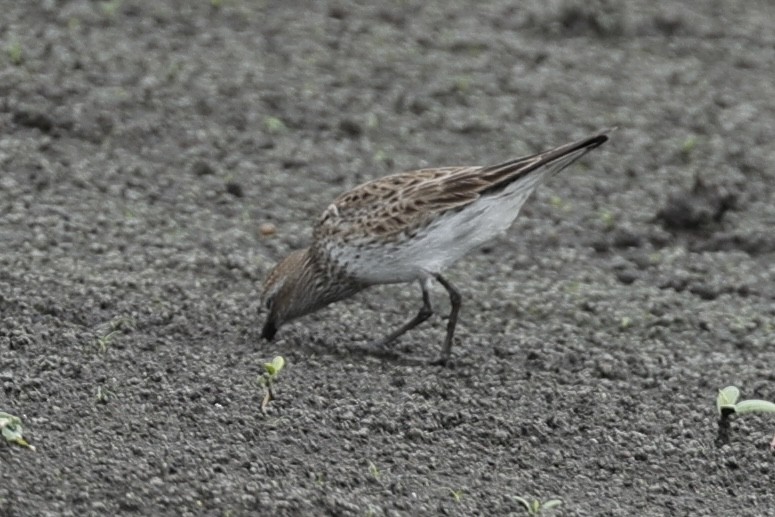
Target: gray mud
(144, 144)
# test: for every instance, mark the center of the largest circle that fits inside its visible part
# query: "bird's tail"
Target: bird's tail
(548, 162)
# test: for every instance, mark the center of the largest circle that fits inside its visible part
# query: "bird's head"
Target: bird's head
(289, 291)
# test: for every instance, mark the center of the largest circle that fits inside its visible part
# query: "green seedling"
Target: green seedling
(608, 219)
(381, 156)
(110, 8)
(727, 404)
(463, 84)
(268, 378)
(73, 24)
(15, 53)
(11, 427)
(457, 495)
(114, 327)
(274, 125)
(103, 396)
(688, 146)
(536, 507)
(103, 342)
(374, 471)
(558, 203)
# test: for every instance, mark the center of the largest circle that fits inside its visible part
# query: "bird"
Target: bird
(408, 227)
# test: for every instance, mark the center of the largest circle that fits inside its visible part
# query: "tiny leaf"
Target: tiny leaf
(11, 427)
(726, 398)
(688, 144)
(523, 501)
(278, 363)
(8, 420)
(754, 406)
(552, 503)
(275, 366)
(374, 471)
(274, 125)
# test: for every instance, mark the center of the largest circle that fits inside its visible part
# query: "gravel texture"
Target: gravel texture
(156, 158)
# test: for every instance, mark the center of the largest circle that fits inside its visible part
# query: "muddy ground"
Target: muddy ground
(147, 147)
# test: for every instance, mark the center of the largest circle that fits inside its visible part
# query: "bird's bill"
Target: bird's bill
(269, 330)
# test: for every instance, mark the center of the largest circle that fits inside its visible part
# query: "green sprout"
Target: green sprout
(114, 327)
(727, 404)
(103, 396)
(374, 471)
(463, 84)
(558, 202)
(15, 53)
(655, 258)
(110, 8)
(103, 342)
(274, 125)
(73, 24)
(688, 146)
(608, 219)
(268, 378)
(457, 495)
(536, 507)
(11, 427)
(381, 156)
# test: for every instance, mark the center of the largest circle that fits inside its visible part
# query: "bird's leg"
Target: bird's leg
(455, 299)
(426, 311)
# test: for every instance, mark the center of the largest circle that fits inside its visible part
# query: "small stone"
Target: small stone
(267, 229)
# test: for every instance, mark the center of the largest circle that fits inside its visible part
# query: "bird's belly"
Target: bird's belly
(430, 250)
(377, 263)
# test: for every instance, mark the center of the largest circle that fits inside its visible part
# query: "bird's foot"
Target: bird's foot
(445, 358)
(442, 360)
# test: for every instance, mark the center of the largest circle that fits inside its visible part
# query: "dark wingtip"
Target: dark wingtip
(269, 331)
(597, 141)
(601, 137)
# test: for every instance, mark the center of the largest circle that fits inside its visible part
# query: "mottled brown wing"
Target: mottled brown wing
(403, 201)
(392, 204)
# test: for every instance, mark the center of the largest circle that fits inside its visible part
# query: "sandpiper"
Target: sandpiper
(408, 227)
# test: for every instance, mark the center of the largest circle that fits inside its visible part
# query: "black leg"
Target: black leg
(426, 311)
(455, 299)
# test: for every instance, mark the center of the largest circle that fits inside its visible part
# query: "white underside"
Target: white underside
(439, 245)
